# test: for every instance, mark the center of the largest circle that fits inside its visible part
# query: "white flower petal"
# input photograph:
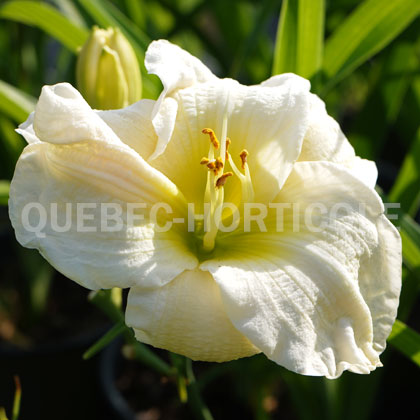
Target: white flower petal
(133, 126)
(325, 141)
(365, 170)
(177, 69)
(186, 316)
(380, 281)
(98, 172)
(62, 116)
(269, 122)
(26, 130)
(317, 303)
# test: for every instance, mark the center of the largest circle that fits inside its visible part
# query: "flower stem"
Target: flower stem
(196, 402)
(109, 302)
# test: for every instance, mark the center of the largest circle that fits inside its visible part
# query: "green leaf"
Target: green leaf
(310, 37)
(409, 231)
(106, 14)
(410, 235)
(300, 37)
(285, 49)
(4, 192)
(15, 103)
(372, 26)
(46, 18)
(249, 44)
(12, 143)
(113, 333)
(69, 9)
(406, 188)
(406, 340)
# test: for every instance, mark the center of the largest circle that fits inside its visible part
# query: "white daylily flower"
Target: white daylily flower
(317, 303)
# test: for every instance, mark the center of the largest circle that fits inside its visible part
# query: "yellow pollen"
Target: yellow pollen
(243, 156)
(213, 137)
(222, 180)
(204, 161)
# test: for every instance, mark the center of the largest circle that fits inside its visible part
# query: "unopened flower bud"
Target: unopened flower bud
(108, 73)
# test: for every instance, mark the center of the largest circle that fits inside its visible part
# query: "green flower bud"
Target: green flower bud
(108, 73)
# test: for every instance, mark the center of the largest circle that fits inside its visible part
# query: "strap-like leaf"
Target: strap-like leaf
(4, 192)
(15, 103)
(300, 37)
(406, 340)
(310, 39)
(46, 18)
(410, 233)
(406, 188)
(372, 26)
(285, 50)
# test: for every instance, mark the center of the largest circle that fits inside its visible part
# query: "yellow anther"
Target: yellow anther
(204, 161)
(222, 180)
(219, 165)
(228, 142)
(244, 154)
(213, 137)
(212, 165)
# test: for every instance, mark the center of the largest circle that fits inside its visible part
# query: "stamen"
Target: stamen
(219, 165)
(243, 156)
(222, 180)
(246, 182)
(228, 142)
(212, 165)
(204, 161)
(213, 137)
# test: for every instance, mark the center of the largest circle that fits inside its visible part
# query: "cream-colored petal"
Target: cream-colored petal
(133, 126)
(26, 130)
(269, 122)
(177, 69)
(96, 173)
(364, 169)
(186, 316)
(323, 302)
(62, 116)
(325, 141)
(380, 281)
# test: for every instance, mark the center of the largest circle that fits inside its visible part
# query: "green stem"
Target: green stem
(16, 402)
(138, 351)
(196, 402)
(109, 302)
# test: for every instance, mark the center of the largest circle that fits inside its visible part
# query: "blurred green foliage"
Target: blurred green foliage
(363, 59)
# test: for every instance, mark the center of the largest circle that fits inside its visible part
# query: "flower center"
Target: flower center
(216, 161)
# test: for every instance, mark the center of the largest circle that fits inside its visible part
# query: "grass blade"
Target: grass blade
(46, 18)
(15, 103)
(4, 192)
(310, 37)
(285, 49)
(406, 340)
(372, 26)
